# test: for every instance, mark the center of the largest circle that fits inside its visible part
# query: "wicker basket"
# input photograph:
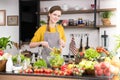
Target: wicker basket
(2, 65)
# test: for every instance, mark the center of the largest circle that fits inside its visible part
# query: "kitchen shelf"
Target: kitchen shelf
(82, 11)
(102, 26)
(97, 26)
(47, 0)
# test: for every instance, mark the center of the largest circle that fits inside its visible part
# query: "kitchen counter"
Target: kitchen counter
(33, 76)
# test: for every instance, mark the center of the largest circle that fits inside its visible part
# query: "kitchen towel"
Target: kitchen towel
(72, 46)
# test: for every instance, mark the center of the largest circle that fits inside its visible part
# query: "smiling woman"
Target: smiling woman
(51, 34)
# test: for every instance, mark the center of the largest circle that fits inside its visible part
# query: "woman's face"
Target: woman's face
(55, 16)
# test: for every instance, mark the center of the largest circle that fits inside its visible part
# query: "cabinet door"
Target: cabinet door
(29, 18)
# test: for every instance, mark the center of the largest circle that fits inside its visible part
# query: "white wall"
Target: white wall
(12, 8)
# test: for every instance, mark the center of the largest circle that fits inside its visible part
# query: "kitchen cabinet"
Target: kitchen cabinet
(95, 11)
(28, 19)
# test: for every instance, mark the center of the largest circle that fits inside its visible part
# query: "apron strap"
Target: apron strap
(55, 28)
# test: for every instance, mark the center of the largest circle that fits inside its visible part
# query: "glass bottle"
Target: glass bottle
(33, 59)
(9, 65)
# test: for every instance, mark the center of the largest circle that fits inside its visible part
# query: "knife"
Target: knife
(87, 42)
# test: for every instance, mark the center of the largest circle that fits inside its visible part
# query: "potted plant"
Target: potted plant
(42, 22)
(4, 42)
(106, 17)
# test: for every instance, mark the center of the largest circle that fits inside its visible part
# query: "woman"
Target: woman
(50, 35)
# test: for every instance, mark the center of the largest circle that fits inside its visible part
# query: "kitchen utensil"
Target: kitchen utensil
(104, 40)
(87, 42)
(81, 40)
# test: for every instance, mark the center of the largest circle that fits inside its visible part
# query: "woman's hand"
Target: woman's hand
(62, 43)
(45, 44)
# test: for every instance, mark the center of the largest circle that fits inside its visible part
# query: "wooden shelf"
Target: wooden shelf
(97, 26)
(47, 0)
(82, 11)
(102, 26)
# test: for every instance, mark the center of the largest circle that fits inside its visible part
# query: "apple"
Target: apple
(105, 65)
(99, 72)
(106, 71)
(97, 66)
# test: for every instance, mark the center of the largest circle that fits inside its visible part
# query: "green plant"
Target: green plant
(117, 37)
(106, 14)
(4, 42)
(42, 22)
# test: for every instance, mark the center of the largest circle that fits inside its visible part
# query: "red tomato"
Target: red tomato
(1, 52)
(81, 53)
(61, 72)
(36, 70)
(69, 72)
(28, 71)
(41, 70)
(63, 67)
(56, 72)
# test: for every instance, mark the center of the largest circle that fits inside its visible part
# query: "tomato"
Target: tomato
(1, 52)
(41, 70)
(61, 72)
(69, 72)
(48, 71)
(81, 53)
(36, 70)
(28, 71)
(63, 67)
(56, 72)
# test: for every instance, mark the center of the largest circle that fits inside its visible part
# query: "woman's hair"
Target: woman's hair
(52, 9)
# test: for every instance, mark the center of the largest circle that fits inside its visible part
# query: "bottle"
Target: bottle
(33, 59)
(9, 65)
(19, 59)
(80, 21)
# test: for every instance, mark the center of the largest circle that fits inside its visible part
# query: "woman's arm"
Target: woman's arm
(36, 44)
(62, 43)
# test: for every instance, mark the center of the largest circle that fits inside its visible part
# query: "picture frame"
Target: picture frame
(2, 17)
(12, 20)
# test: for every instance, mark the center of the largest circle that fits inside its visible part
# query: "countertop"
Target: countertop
(32, 76)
